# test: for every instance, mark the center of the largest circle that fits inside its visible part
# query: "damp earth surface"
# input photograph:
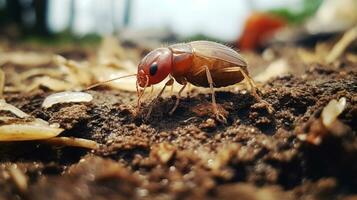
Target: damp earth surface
(190, 155)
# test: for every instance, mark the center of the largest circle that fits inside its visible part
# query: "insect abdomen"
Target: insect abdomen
(223, 73)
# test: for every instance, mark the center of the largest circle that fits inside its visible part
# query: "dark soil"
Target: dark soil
(190, 155)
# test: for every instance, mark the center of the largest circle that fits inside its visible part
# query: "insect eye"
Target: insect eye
(153, 69)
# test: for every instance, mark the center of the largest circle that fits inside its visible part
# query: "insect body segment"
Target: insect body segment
(156, 66)
(182, 61)
(201, 63)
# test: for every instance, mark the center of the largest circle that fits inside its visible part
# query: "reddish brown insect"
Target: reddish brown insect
(201, 63)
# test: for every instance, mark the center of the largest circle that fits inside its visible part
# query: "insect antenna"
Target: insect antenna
(107, 81)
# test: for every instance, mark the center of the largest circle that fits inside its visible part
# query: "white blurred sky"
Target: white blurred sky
(222, 19)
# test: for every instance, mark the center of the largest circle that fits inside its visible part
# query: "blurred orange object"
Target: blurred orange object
(257, 28)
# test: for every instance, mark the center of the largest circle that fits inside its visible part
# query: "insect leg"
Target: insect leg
(169, 82)
(172, 89)
(214, 104)
(200, 70)
(188, 89)
(150, 96)
(152, 89)
(246, 78)
(178, 98)
(252, 85)
(140, 94)
(254, 91)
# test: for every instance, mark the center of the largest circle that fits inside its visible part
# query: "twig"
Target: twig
(341, 45)
(19, 178)
(74, 142)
